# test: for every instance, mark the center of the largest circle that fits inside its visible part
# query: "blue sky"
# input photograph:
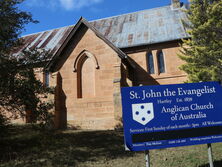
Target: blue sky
(58, 13)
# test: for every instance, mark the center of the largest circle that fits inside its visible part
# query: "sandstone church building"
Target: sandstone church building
(92, 60)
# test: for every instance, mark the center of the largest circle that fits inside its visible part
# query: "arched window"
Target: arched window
(85, 65)
(150, 63)
(88, 78)
(160, 60)
(46, 79)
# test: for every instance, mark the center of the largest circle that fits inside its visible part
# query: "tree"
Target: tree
(12, 23)
(20, 91)
(203, 51)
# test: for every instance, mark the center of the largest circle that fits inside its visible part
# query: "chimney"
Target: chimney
(175, 4)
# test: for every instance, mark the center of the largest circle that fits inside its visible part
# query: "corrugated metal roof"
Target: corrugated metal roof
(49, 40)
(128, 30)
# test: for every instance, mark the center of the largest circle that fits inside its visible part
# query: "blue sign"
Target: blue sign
(164, 116)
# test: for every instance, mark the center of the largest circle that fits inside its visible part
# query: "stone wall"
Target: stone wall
(172, 74)
(89, 111)
(103, 75)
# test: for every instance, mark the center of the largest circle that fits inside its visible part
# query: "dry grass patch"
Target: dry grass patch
(28, 147)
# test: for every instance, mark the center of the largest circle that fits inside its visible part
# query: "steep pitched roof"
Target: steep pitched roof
(84, 22)
(144, 27)
(127, 30)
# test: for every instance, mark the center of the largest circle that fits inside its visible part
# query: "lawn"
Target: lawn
(28, 147)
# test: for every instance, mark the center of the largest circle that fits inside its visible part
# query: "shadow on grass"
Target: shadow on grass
(34, 147)
(216, 164)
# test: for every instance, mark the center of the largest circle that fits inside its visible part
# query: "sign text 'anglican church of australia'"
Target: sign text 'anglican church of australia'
(164, 116)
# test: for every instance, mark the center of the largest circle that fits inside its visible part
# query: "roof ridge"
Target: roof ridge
(129, 13)
(98, 20)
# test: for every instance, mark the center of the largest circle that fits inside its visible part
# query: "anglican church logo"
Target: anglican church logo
(143, 113)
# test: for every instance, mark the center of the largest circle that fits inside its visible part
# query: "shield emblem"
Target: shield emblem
(143, 112)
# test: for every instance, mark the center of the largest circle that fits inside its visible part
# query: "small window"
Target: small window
(160, 60)
(150, 63)
(46, 79)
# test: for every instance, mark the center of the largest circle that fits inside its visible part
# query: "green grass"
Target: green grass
(27, 147)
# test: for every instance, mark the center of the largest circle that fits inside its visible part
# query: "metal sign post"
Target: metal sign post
(164, 116)
(147, 158)
(210, 156)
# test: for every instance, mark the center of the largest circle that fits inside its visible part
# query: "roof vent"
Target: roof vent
(175, 4)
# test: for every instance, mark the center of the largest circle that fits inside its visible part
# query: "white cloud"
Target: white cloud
(65, 4)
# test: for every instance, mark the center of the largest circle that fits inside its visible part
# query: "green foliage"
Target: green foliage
(12, 23)
(20, 91)
(203, 52)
